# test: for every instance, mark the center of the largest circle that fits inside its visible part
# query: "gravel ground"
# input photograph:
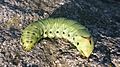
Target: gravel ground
(101, 17)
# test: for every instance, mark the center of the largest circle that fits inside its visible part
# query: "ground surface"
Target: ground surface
(102, 18)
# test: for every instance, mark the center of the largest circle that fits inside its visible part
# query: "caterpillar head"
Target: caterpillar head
(28, 41)
(85, 47)
(30, 36)
(27, 45)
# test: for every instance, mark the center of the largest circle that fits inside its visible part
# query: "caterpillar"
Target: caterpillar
(71, 30)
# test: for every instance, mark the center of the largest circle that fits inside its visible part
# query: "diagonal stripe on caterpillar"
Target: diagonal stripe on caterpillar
(71, 30)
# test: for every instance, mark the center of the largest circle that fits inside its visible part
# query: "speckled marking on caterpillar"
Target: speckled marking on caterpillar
(71, 30)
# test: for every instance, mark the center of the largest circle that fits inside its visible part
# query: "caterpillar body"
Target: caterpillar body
(71, 30)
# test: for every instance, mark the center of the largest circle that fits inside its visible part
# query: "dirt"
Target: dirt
(101, 17)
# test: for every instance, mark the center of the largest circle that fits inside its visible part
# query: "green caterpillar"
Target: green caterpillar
(71, 30)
